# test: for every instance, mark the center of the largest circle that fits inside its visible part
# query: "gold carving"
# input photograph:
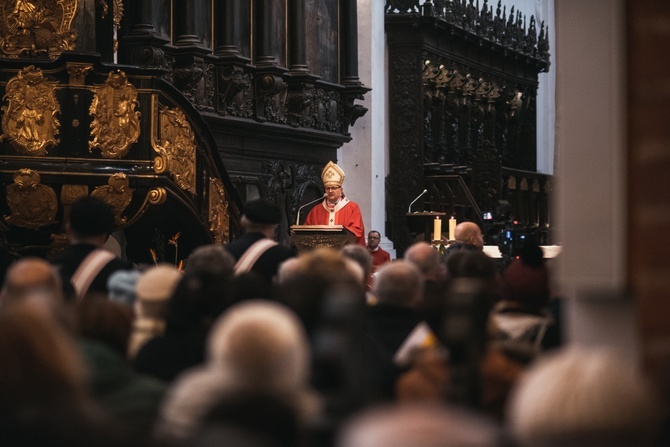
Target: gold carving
(117, 194)
(29, 118)
(78, 72)
(118, 12)
(176, 148)
(116, 123)
(59, 243)
(219, 221)
(37, 27)
(157, 196)
(33, 205)
(70, 193)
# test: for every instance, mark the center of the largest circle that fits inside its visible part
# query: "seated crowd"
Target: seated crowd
(432, 351)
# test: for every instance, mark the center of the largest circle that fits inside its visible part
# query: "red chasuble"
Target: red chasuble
(345, 213)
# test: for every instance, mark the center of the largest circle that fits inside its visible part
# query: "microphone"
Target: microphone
(409, 209)
(297, 221)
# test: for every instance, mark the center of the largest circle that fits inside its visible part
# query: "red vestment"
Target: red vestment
(345, 213)
(379, 257)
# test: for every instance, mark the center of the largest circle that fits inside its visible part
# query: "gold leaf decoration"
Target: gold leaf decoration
(29, 116)
(219, 221)
(116, 123)
(176, 148)
(117, 194)
(37, 27)
(33, 205)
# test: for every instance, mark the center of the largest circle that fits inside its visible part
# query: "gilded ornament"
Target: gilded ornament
(78, 72)
(71, 193)
(116, 123)
(37, 27)
(118, 12)
(29, 116)
(157, 196)
(117, 194)
(33, 205)
(219, 221)
(176, 148)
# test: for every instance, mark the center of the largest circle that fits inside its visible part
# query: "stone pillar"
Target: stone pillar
(297, 49)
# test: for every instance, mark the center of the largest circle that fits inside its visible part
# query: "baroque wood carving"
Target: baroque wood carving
(219, 220)
(116, 122)
(42, 28)
(29, 119)
(32, 204)
(117, 194)
(176, 148)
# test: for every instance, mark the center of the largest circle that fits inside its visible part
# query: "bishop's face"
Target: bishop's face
(333, 192)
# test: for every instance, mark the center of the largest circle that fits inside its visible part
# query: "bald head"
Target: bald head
(31, 275)
(424, 257)
(469, 233)
(399, 284)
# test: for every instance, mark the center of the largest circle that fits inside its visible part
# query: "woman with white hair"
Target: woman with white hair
(255, 346)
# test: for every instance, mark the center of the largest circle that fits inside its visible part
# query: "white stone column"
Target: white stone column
(364, 160)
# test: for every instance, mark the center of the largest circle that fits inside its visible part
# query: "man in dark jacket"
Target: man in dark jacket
(256, 251)
(85, 265)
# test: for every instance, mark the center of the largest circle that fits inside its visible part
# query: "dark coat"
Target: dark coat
(68, 262)
(268, 263)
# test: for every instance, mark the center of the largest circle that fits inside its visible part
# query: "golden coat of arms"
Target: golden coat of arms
(29, 118)
(33, 205)
(116, 123)
(37, 27)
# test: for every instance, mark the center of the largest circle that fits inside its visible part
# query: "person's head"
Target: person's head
(426, 259)
(29, 275)
(361, 256)
(260, 216)
(41, 364)
(154, 288)
(211, 258)
(373, 239)
(90, 220)
(399, 284)
(261, 346)
(469, 233)
(582, 396)
(333, 178)
(107, 322)
(426, 425)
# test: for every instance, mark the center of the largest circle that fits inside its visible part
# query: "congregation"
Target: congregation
(432, 350)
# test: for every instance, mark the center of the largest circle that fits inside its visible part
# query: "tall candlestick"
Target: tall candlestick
(452, 228)
(437, 229)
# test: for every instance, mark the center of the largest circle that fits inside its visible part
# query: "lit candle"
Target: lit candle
(452, 228)
(437, 229)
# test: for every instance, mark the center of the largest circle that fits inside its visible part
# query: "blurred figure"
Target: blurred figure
(121, 286)
(201, 295)
(521, 324)
(583, 397)
(130, 399)
(85, 265)
(256, 346)
(154, 288)
(412, 425)
(251, 419)
(427, 260)
(362, 257)
(43, 384)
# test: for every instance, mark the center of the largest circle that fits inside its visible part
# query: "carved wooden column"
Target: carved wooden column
(297, 39)
(265, 21)
(349, 42)
(229, 27)
(185, 25)
(144, 24)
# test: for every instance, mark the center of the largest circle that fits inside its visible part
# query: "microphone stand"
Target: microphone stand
(297, 221)
(409, 209)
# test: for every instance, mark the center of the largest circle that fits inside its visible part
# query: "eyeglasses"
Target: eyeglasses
(332, 188)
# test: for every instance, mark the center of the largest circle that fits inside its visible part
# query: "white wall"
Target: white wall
(590, 201)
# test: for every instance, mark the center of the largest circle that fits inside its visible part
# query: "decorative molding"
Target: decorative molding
(78, 72)
(176, 148)
(235, 92)
(219, 219)
(157, 196)
(71, 193)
